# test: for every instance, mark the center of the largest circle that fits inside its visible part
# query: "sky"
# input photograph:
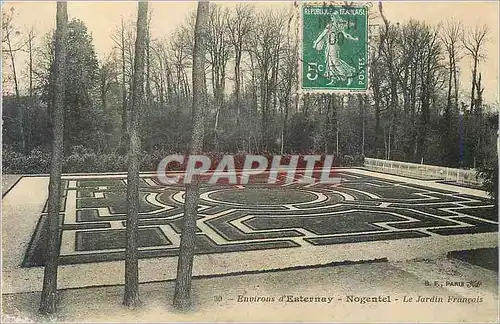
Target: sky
(102, 18)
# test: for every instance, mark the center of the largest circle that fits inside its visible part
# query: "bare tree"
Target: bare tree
(180, 53)
(266, 45)
(29, 50)
(9, 32)
(49, 290)
(131, 295)
(188, 238)
(429, 80)
(218, 53)
(409, 48)
(119, 43)
(451, 35)
(387, 47)
(287, 78)
(148, 63)
(160, 70)
(107, 77)
(124, 88)
(375, 71)
(239, 25)
(123, 40)
(362, 100)
(165, 63)
(473, 41)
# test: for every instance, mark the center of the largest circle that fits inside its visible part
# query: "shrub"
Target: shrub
(489, 173)
(347, 160)
(37, 161)
(352, 161)
(84, 160)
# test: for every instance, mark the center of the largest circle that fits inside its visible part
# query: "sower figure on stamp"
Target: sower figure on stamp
(331, 39)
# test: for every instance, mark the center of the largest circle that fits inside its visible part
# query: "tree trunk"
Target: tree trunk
(447, 113)
(284, 130)
(362, 103)
(479, 150)
(473, 90)
(337, 127)
(124, 138)
(20, 113)
(131, 295)
(455, 82)
(148, 67)
(447, 133)
(49, 290)
(325, 104)
(188, 239)
(103, 90)
(30, 62)
(237, 86)
(378, 127)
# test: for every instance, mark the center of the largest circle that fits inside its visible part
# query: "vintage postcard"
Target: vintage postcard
(294, 161)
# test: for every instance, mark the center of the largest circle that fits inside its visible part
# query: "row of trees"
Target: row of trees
(58, 90)
(417, 67)
(417, 106)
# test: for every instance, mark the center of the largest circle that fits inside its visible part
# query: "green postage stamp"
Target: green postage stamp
(334, 47)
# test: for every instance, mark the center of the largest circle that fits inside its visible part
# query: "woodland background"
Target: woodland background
(418, 108)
